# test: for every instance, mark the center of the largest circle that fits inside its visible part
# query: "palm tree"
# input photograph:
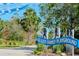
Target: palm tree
(30, 22)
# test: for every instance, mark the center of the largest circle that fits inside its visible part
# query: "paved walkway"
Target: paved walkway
(20, 51)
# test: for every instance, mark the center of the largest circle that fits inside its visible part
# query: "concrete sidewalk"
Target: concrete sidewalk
(18, 51)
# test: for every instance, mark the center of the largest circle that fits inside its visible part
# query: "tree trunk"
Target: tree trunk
(57, 32)
(28, 37)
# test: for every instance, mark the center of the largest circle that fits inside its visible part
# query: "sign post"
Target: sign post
(70, 48)
(72, 35)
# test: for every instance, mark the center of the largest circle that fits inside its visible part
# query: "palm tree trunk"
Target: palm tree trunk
(28, 38)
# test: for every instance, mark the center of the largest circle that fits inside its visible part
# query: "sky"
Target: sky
(7, 10)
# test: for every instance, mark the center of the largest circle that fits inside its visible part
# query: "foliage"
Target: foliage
(58, 48)
(17, 29)
(50, 35)
(63, 15)
(30, 23)
(39, 50)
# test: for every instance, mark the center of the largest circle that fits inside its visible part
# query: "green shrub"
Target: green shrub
(14, 43)
(37, 52)
(10, 43)
(39, 49)
(58, 48)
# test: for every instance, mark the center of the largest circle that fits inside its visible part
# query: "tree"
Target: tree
(72, 13)
(30, 22)
(66, 15)
(51, 14)
(1, 27)
(16, 30)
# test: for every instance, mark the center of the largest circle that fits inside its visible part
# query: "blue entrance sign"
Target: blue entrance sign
(56, 41)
